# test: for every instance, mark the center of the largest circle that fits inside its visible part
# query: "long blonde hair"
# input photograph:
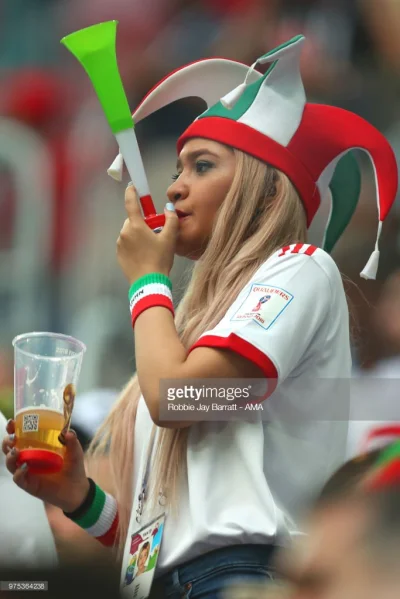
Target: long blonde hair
(261, 213)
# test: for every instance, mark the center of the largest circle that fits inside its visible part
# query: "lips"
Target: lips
(182, 214)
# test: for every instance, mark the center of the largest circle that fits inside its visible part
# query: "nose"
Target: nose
(178, 190)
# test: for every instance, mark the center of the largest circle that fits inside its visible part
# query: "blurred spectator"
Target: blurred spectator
(382, 19)
(376, 392)
(25, 533)
(292, 562)
(352, 551)
(353, 541)
(387, 323)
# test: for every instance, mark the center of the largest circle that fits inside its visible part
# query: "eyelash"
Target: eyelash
(201, 163)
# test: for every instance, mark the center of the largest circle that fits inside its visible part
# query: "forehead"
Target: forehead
(196, 144)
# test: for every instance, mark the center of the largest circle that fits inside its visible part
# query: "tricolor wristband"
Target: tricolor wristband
(151, 290)
(98, 515)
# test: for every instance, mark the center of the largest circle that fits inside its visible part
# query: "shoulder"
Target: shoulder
(308, 261)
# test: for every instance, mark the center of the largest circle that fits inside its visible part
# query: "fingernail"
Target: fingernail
(24, 466)
(12, 437)
(170, 206)
(71, 430)
(130, 184)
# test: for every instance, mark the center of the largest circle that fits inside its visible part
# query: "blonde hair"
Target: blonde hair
(261, 213)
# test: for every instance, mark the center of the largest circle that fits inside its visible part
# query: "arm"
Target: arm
(241, 345)
(161, 355)
(98, 515)
(159, 352)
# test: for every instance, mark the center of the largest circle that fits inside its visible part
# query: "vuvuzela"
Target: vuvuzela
(94, 48)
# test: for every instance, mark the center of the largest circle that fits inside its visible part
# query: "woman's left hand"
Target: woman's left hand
(140, 251)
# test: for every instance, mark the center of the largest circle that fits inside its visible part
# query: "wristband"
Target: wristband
(82, 509)
(151, 290)
(97, 515)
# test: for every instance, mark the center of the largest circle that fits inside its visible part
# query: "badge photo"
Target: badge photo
(142, 559)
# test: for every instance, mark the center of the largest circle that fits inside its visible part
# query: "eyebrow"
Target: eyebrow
(195, 154)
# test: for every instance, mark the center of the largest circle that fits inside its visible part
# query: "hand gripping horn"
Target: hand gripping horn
(94, 48)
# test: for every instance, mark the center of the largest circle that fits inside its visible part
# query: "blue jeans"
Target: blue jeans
(208, 575)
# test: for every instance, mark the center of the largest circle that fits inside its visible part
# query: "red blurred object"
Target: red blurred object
(33, 96)
(231, 6)
(388, 475)
(44, 101)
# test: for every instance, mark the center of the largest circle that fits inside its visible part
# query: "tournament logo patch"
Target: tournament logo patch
(263, 305)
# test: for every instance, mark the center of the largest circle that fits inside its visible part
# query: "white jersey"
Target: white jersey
(248, 480)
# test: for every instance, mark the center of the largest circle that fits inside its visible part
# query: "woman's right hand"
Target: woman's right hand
(66, 489)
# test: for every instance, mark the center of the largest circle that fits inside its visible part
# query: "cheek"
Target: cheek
(212, 195)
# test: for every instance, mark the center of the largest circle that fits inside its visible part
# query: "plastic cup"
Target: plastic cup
(46, 372)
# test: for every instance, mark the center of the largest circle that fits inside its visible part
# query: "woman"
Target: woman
(251, 172)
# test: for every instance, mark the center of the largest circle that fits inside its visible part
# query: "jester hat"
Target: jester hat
(268, 116)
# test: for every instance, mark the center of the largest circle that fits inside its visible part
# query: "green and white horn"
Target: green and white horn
(94, 48)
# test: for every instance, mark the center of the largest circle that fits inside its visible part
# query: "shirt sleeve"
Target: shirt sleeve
(276, 317)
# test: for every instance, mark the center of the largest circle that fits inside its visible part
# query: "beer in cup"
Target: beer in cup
(46, 372)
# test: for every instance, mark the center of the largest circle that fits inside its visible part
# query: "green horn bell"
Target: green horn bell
(94, 48)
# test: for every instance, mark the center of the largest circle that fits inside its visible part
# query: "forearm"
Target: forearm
(98, 515)
(159, 353)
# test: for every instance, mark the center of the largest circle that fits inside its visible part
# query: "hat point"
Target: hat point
(371, 268)
(233, 97)
(116, 169)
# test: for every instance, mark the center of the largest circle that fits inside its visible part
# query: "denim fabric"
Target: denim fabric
(208, 575)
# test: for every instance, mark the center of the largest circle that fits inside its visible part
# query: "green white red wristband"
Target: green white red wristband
(98, 515)
(154, 289)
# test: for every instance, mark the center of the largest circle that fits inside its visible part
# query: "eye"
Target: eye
(175, 176)
(203, 166)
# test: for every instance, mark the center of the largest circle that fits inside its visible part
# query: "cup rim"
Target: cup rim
(47, 333)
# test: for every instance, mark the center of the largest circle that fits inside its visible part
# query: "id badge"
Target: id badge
(142, 560)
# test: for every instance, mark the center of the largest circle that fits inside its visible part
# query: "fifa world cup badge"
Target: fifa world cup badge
(68, 399)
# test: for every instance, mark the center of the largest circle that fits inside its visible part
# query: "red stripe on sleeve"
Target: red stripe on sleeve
(284, 250)
(297, 248)
(310, 250)
(248, 351)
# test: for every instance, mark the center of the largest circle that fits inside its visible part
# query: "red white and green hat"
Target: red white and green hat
(268, 116)
(386, 471)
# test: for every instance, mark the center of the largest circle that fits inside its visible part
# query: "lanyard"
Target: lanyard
(143, 491)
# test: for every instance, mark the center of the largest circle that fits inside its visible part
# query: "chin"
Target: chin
(189, 249)
(185, 252)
